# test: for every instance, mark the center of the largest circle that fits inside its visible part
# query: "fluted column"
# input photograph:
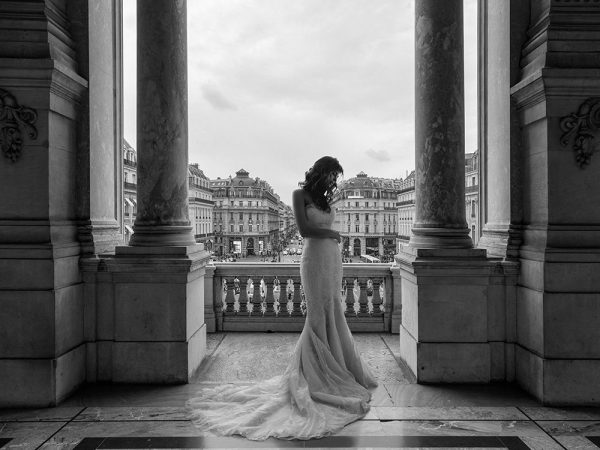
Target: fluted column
(439, 136)
(162, 217)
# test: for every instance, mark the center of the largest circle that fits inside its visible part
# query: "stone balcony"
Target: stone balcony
(269, 297)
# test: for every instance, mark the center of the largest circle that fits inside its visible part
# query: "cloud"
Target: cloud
(217, 100)
(378, 155)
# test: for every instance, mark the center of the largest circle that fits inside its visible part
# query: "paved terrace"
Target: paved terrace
(403, 414)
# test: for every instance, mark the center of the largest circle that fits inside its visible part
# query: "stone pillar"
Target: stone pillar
(499, 129)
(42, 348)
(558, 307)
(439, 135)
(96, 29)
(444, 281)
(159, 329)
(162, 126)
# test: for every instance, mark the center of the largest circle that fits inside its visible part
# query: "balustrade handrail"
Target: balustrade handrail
(257, 305)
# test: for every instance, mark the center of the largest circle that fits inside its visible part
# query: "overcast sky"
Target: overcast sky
(275, 84)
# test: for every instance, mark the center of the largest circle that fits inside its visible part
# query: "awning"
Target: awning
(129, 201)
(129, 229)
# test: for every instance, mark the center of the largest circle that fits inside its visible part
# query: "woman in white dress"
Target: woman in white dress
(325, 385)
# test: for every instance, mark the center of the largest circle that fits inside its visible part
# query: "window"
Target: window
(356, 204)
(231, 227)
(241, 216)
(367, 217)
(241, 228)
(366, 204)
(367, 228)
(473, 181)
(250, 227)
(357, 218)
(357, 228)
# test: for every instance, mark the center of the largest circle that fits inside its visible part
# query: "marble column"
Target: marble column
(158, 294)
(162, 217)
(439, 137)
(451, 308)
(499, 130)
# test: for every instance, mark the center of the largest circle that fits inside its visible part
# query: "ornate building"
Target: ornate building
(129, 189)
(246, 215)
(201, 206)
(472, 194)
(406, 207)
(366, 216)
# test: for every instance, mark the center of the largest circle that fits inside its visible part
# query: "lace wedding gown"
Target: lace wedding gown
(325, 385)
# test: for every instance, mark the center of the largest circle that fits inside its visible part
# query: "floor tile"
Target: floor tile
(449, 395)
(576, 443)
(448, 413)
(57, 414)
(570, 427)
(461, 428)
(27, 435)
(574, 413)
(380, 396)
(74, 432)
(125, 413)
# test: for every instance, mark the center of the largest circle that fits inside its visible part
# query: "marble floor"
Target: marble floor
(403, 414)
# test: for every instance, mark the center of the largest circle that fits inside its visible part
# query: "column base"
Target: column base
(558, 382)
(501, 242)
(444, 335)
(161, 236)
(440, 238)
(159, 328)
(440, 362)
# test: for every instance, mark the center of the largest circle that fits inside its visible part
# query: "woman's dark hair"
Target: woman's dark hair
(316, 184)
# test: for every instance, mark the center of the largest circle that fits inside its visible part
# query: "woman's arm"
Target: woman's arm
(304, 227)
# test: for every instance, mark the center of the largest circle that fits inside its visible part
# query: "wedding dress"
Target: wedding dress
(325, 385)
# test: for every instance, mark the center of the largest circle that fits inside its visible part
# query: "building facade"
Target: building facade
(246, 216)
(129, 189)
(201, 206)
(366, 216)
(406, 207)
(472, 195)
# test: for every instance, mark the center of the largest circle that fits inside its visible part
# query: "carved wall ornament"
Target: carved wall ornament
(581, 129)
(14, 119)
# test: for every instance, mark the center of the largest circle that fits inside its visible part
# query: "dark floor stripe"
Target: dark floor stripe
(90, 443)
(595, 440)
(510, 442)
(4, 441)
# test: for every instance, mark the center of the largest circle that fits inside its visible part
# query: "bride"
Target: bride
(325, 385)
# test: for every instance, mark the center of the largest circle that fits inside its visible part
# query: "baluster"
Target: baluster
(237, 292)
(249, 296)
(224, 294)
(369, 291)
(349, 300)
(256, 297)
(344, 294)
(276, 296)
(362, 299)
(289, 291)
(297, 298)
(302, 300)
(382, 295)
(356, 294)
(377, 298)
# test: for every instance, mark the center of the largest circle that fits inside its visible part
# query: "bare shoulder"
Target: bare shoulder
(301, 195)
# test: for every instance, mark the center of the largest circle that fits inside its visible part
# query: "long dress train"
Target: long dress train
(325, 385)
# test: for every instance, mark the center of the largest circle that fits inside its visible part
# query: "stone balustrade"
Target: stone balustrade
(270, 297)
